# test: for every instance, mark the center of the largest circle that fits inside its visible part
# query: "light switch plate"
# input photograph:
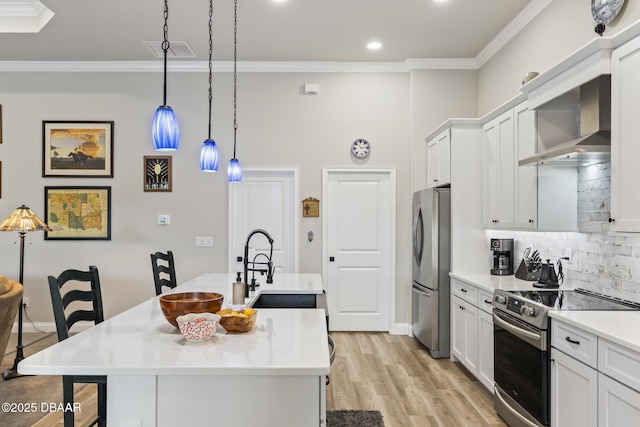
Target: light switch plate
(164, 219)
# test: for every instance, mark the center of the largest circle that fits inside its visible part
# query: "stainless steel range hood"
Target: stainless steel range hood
(594, 143)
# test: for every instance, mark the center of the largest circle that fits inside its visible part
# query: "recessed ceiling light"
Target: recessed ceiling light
(374, 45)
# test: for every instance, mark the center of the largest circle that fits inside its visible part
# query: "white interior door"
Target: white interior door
(265, 199)
(359, 224)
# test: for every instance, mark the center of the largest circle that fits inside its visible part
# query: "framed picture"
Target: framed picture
(77, 149)
(78, 213)
(157, 173)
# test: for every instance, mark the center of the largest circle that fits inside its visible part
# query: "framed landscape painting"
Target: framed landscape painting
(77, 149)
(78, 213)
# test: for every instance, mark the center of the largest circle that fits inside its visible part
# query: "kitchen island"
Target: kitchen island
(272, 375)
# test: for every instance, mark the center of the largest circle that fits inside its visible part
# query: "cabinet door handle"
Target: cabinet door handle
(487, 301)
(612, 220)
(530, 221)
(464, 290)
(572, 341)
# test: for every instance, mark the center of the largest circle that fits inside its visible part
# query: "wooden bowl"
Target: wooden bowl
(237, 324)
(174, 305)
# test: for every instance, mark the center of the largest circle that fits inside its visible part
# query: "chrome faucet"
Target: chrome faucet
(269, 264)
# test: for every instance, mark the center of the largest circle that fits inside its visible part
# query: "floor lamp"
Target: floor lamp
(21, 220)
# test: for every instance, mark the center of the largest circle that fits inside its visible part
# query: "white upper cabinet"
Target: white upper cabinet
(439, 160)
(625, 130)
(498, 169)
(526, 177)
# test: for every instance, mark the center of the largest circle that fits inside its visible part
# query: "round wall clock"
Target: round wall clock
(603, 12)
(360, 148)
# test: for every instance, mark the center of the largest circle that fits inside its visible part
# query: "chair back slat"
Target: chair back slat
(62, 296)
(164, 272)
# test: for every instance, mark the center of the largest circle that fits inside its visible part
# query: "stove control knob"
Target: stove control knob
(500, 299)
(528, 311)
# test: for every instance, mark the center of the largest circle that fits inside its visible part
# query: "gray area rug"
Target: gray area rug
(354, 418)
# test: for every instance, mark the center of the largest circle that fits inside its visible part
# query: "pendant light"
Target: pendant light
(209, 156)
(164, 129)
(234, 171)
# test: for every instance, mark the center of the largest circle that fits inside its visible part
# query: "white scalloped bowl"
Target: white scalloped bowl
(198, 327)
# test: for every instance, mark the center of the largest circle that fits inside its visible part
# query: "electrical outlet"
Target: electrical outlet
(25, 302)
(204, 241)
(568, 254)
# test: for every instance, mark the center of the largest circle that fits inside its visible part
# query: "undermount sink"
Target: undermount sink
(293, 301)
(285, 301)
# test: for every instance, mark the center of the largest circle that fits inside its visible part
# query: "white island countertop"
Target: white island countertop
(140, 341)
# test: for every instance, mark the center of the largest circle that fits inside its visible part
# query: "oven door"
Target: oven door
(521, 371)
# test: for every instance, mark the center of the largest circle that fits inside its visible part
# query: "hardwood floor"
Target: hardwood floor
(392, 374)
(395, 375)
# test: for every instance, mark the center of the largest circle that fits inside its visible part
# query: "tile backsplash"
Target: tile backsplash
(601, 262)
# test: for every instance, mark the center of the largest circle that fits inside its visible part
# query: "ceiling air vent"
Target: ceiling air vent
(176, 49)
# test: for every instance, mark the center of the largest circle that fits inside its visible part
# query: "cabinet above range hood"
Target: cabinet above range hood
(594, 143)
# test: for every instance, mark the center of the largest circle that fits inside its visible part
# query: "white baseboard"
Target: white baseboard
(401, 329)
(29, 327)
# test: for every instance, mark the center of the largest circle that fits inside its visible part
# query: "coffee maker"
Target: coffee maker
(502, 257)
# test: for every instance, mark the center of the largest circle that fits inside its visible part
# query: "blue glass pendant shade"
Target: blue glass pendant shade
(165, 130)
(209, 157)
(234, 171)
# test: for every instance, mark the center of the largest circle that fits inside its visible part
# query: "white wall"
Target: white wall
(559, 30)
(278, 126)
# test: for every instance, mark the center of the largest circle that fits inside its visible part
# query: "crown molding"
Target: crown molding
(23, 16)
(511, 29)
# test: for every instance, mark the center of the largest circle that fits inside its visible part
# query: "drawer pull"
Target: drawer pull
(487, 301)
(463, 290)
(569, 340)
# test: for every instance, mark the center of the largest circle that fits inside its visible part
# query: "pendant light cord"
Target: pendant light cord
(210, 61)
(235, 74)
(165, 48)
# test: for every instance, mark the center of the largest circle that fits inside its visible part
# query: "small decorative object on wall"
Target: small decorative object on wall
(157, 173)
(78, 213)
(311, 207)
(77, 149)
(603, 12)
(360, 148)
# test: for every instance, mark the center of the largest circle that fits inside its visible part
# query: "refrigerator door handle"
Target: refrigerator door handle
(418, 237)
(426, 294)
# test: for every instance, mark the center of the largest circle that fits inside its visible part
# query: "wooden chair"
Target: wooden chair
(164, 273)
(87, 307)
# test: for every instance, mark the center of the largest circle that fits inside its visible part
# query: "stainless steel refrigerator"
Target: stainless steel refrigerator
(431, 265)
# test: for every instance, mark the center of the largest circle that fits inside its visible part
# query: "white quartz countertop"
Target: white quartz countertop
(489, 282)
(140, 341)
(620, 327)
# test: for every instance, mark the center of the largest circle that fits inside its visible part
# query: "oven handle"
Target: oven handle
(518, 415)
(530, 337)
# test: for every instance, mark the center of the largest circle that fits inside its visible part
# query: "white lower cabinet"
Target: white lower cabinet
(618, 405)
(465, 330)
(485, 349)
(472, 330)
(574, 392)
(594, 382)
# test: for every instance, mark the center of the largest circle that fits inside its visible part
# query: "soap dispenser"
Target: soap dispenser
(238, 290)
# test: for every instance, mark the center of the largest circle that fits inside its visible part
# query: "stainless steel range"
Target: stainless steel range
(522, 347)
